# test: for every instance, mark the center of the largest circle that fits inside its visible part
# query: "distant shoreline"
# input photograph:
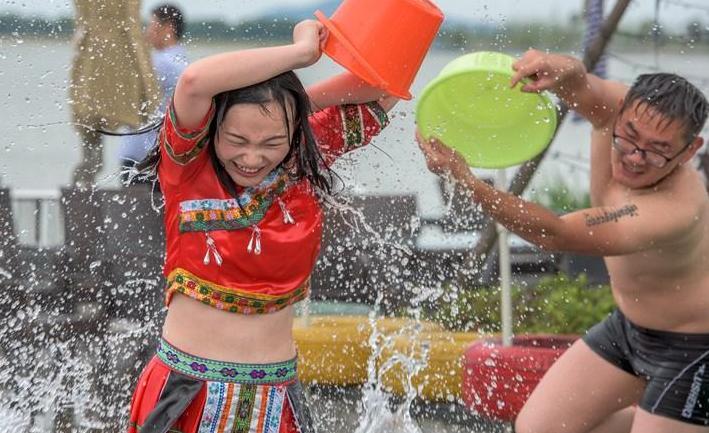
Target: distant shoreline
(619, 43)
(453, 36)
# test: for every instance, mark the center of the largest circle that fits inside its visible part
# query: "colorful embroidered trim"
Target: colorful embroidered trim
(216, 214)
(200, 137)
(352, 126)
(228, 299)
(379, 114)
(242, 408)
(353, 123)
(239, 408)
(276, 373)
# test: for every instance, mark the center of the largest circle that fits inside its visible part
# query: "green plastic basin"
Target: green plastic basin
(471, 108)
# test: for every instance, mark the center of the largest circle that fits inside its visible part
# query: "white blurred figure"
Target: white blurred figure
(164, 33)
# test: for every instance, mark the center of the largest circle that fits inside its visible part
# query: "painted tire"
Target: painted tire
(334, 350)
(441, 378)
(498, 380)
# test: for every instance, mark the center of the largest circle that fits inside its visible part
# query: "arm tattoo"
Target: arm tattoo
(611, 215)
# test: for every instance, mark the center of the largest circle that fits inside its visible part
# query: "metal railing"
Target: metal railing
(37, 217)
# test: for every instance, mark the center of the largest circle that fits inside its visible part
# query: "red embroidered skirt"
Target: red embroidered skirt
(181, 393)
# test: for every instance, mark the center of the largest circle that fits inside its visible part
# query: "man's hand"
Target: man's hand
(553, 72)
(441, 159)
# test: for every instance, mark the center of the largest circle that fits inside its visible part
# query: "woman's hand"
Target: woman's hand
(441, 159)
(308, 36)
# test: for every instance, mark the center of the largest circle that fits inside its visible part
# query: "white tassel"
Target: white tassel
(217, 257)
(287, 217)
(212, 250)
(255, 242)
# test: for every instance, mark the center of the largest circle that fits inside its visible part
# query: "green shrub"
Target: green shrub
(559, 198)
(557, 305)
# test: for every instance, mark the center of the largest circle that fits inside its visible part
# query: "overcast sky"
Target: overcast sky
(673, 13)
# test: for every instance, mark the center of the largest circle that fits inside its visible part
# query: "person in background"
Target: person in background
(169, 58)
(112, 81)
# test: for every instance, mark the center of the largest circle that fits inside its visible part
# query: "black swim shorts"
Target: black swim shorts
(676, 365)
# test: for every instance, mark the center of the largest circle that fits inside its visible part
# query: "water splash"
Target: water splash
(69, 371)
(378, 414)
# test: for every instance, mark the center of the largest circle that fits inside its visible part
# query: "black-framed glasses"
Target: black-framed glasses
(656, 159)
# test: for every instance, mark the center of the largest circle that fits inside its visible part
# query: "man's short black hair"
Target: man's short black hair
(673, 97)
(170, 14)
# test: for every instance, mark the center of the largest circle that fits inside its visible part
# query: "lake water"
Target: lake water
(34, 79)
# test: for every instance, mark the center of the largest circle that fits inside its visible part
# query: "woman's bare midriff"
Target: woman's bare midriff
(207, 332)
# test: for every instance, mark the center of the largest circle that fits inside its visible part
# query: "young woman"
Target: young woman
(240, 160)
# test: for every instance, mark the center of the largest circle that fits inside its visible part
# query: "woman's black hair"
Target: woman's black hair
(303, 160)
(172, 15)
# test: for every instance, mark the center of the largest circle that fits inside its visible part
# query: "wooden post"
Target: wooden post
(488, 233)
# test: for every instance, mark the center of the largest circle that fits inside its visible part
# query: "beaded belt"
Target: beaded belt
(220, 371)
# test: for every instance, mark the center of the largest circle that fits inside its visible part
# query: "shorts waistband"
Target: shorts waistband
(221, 371)
(659, 333)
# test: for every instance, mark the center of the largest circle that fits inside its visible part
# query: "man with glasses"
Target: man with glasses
(654, 158)
(644, 369)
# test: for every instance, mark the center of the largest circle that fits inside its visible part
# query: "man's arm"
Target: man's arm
(594, 98)
(639, 224)
(633, 226)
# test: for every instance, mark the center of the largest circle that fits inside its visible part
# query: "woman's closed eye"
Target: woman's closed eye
(276, 143)
(235, 139)
(237, 142)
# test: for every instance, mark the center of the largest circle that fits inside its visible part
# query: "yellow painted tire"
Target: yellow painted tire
(331, 353)
(441, 378)
(334, 350)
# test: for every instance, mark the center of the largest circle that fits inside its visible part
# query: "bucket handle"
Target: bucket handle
(351, 48)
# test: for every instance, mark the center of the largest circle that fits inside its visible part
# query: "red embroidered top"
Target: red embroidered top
(257, 257)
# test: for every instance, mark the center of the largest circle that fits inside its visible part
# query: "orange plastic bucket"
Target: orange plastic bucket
(382, 41)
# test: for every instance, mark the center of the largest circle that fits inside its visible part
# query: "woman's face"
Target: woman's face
(251, 141)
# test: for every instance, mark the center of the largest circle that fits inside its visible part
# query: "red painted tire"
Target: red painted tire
(498, 380)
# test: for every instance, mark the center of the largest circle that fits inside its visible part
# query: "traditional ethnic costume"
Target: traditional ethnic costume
(253, 256)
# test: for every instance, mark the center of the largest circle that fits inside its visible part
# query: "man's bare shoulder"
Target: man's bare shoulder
(687, 189)
(684, 199)
(679, 206)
